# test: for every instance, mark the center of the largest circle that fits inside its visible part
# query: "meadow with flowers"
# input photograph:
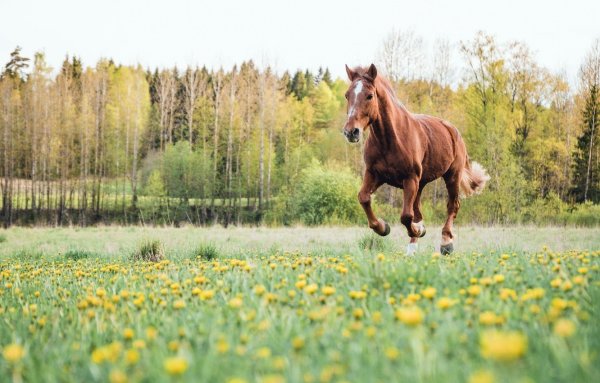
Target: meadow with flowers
(239, 305)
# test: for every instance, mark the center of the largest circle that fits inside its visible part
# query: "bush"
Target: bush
(322, 196)
(372, 242)
(150, 251)
(2, 238)
(206, 251)
(77, 254)
(585, 214)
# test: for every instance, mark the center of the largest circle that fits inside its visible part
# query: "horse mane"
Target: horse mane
(387, 85)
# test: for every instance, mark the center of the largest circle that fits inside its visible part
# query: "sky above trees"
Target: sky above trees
(287, 35)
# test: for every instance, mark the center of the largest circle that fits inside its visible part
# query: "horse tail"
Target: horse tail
(473, 178)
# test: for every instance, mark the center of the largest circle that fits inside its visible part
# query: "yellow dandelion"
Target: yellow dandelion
(487, 318)
(429, 292)
(392, 353)
(132, 356)
(259, 290)
(503, 346)
(272, 379)
(175, 365)
(179, 304)
(222, 347)
(564, 328)
(236, 302)
(263, 353)
(358, 313)
(311, 289)
(139, 344)
(358, 294)
(13, 353)
(117, 376)
(328, 290)
(151, 333)
(298, 343)
(482, 376)
(445, 303)
(207, 295)
(128, 333)
(474, 290)
(411, 316)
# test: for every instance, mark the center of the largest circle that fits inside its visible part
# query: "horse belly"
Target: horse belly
(389, 175)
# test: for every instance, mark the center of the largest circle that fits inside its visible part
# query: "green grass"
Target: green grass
(298, 305)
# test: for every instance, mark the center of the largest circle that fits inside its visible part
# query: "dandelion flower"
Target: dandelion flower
(482, 376)
(564, 328)
(503, 346)
(175, 365)
(411, 316)
(13, 353)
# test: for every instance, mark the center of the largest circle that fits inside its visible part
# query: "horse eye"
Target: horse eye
(369, 97)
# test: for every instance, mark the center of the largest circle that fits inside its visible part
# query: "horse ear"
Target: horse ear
(372, 72)
(350, 73)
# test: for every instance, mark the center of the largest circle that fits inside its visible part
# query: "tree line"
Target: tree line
(124, 144)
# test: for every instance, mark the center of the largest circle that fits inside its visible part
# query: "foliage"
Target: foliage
(586, 175)
(325, 195)
(149, 251)
(113, 143)
(78, 254)
(372, 242)
(206, 251)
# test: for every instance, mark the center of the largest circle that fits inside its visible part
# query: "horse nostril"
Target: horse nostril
(355, 132)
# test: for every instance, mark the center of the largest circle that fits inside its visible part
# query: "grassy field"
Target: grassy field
(267, 305)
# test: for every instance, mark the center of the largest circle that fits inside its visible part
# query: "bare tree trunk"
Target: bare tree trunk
(217, 87)
(261, 130)
(228, 161)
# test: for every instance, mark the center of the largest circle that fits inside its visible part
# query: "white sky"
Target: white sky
(286, 34)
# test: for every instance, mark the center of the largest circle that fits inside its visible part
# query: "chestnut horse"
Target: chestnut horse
(407, 151)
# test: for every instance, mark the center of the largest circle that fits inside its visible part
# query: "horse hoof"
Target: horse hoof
(411, 249)
(447, 249)
(422, 232)
(387, 229)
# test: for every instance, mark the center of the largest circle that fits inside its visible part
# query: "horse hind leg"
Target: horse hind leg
(453, 205)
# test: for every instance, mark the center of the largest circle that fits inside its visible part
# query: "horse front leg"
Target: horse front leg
(414, 229)
(369, 186)
(418, 216)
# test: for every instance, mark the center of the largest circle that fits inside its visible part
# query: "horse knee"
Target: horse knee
(364, 198)
(406, 219)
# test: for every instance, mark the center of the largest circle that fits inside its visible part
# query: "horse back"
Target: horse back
(443, 147)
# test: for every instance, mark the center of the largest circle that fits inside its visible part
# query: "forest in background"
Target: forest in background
(110, 143)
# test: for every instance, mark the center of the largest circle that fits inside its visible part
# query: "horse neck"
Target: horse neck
(393, 120)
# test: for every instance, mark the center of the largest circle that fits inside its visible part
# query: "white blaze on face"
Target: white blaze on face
(357, 90)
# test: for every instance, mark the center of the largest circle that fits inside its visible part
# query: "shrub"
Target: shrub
(2, 238)
(372, 242)
(206, 251)
(323, 195)
(150, 251)
(77, 254)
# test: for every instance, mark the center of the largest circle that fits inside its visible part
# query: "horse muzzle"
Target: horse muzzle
(352, 135)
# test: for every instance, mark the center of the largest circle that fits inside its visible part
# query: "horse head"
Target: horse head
(362, 101)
